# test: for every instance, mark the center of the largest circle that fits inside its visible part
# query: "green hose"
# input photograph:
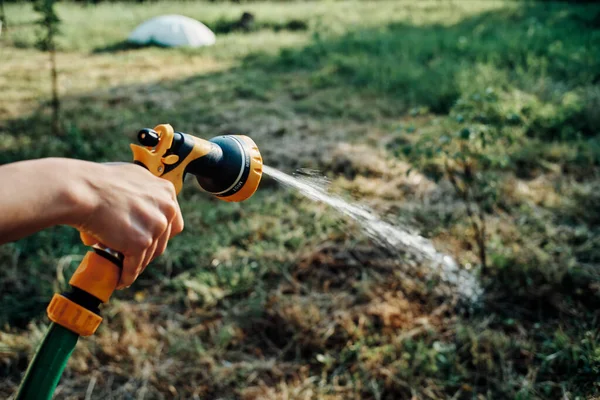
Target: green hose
(47, 364)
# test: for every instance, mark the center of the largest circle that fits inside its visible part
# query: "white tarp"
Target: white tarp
(173, 31)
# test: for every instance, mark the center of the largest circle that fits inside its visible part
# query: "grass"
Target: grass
(280, 298)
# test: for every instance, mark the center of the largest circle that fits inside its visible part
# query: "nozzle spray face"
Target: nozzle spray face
(231, 170)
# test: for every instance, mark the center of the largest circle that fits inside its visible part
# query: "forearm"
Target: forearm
(37, 194)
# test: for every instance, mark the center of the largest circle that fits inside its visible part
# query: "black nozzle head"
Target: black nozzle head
(231, 170)
(226, 165)
(148, 137)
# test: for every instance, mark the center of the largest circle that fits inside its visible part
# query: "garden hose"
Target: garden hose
(228, 167)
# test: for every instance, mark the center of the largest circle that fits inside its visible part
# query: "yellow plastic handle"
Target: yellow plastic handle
(88, 239)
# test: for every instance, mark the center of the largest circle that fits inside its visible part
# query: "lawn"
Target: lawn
(475, 123)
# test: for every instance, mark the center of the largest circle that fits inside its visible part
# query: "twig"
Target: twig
(3, 22)
(479, 228)
(55, 98)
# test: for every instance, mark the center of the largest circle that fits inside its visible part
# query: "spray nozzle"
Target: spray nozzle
(228, 167)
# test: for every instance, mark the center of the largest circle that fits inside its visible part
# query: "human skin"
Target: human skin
(123, 206)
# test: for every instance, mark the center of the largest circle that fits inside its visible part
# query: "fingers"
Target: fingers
(135, 264)
(149, 256)
(132, 267)
(161, 227)
(161, 243)
(155, 219)
(177, 223)
(172, 211)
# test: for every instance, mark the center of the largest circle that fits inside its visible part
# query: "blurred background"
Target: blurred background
(473, 123)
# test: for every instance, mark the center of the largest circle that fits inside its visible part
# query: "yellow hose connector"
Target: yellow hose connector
(73, 316)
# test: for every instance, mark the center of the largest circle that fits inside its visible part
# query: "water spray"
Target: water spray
(228, 167)
(386, 235)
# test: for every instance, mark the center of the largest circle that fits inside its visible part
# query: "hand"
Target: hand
(130, 211)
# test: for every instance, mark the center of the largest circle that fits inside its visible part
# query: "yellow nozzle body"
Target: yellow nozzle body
(228, 167)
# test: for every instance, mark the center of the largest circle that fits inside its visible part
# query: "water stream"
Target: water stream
(394, 238)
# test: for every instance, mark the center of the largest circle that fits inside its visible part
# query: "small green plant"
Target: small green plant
(470, 154)
(47, 42)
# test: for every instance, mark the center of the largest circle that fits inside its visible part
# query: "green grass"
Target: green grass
(278, 297)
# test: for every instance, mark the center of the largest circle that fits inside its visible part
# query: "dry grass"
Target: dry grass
(279, 298)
